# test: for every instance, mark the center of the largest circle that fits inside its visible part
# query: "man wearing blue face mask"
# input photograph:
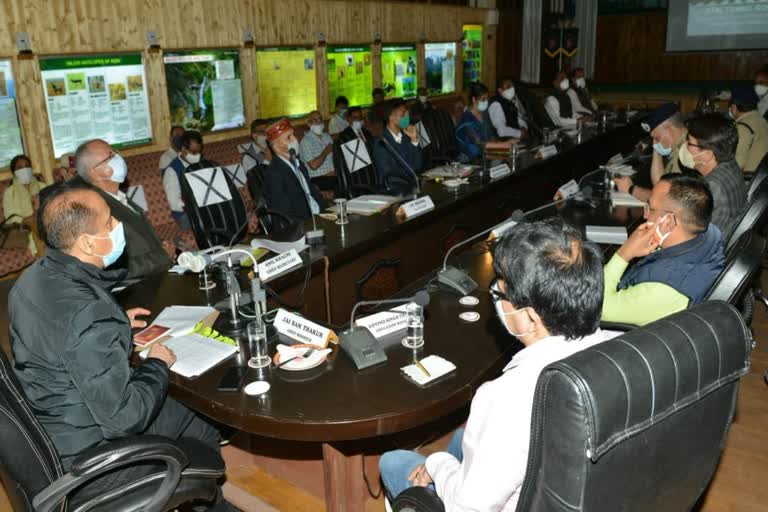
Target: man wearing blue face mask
(547, 294)
(72, 344)
(666, 127)
(100, 167)
(680, 255)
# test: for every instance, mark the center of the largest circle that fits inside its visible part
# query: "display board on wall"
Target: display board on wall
(440, 64)
(205, 90)
(350, 74)
(472, 53)
(10, 131)
(96, 96)
(398, 70)
(287, 81)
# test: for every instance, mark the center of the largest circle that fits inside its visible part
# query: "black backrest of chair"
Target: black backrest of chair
(442, 132)
(754, 217)
(538, 118)
(637, 423)
(744, 260)
(28, 460)
(760, 174)
(217, 224)
(366, 176)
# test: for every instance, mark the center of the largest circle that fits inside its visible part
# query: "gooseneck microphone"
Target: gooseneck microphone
(316, 236)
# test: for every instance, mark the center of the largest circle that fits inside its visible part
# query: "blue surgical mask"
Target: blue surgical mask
(117, 236)
(660, 149)
(119, 169)
(405, 121)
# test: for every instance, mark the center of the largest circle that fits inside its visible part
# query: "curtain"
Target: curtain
(530, 67)
(586, 21)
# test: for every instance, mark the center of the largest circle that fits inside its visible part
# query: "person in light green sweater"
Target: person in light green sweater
(680, 251)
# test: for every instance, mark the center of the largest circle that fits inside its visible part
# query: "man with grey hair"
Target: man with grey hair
(102, 168)
(72, 344)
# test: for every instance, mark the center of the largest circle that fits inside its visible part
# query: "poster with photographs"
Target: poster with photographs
(10, 131)
(350, 74)
(287, 81)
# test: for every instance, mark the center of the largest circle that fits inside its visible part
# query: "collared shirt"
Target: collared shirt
(553, 109)
(499, 120)
(496, 438)
(729, 194)
(311, 147)
(399, 137)
(313, 206)
(576, 102)
(337, 124)
(173, 187)
(167, 157)
(753, 140)
(120, 196)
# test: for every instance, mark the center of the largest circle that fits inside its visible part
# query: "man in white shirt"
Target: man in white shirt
(761, 88)
(339, 120)
(506, 113)
(316, 150)
(548, 294)
(580, 96)
(173, 151)
(256, 152)
(191, 153)
(559, 105)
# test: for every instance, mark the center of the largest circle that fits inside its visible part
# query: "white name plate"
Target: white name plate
(279, 264)
(546, 152)
(499, 171)
(502, 229)
(416, 207)
(386, 322)
(302, 330)
(570, 189)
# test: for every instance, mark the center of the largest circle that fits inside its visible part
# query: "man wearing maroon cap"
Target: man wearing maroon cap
(287, 187)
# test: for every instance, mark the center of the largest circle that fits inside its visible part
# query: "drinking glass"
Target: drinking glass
(414, 337)
(205, 281)
(341, 211)
(257, 344)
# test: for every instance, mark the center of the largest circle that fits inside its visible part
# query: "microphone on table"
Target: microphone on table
(316, 236)
(358, 342)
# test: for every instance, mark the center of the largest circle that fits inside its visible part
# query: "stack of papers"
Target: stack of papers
(196, 354)
(435, 365)
(625, 199)
(370, 204)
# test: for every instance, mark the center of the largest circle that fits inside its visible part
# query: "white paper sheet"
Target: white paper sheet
(181, 320)
(625, 199)
(279, 247)
(355, 155)
(209, 186)
(236, 173)
(196, 354)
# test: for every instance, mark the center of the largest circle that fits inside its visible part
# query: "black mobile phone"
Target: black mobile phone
(233, 379)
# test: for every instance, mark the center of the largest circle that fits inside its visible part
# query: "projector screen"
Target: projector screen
(701, 25)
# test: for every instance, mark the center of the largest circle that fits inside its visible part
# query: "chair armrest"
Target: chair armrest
(617, 326)
(116, 454)
(418, 499)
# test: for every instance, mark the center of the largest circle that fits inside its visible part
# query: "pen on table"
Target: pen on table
(421, 367)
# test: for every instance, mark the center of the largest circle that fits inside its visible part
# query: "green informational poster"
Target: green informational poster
(96, 96)
(350, 74)
(287, 81)
(10, 132)
(204, 89)
(473, 53)
(440, 62)
(398, 70)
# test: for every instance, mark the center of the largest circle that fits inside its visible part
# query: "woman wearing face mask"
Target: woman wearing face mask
(559, 105)
(474, 126)
(20, 199)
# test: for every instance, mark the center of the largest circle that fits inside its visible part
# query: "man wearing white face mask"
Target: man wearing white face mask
(580, 96)
(558, 103)
(104, 169)
(547, 294)
(761, 88)
(505, 112)
(191, 154)
(680, 251)
(316, 149)
(357, 130)
(339, 120)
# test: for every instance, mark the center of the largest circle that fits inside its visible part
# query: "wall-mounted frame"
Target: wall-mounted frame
(287, 81)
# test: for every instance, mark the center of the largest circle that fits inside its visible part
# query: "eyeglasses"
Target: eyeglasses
(112, 154)
(495, 292)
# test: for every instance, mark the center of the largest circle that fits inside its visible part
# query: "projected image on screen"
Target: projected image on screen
(717, 25)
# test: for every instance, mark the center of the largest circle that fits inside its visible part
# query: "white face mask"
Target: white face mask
(293, 145)
(119, 169)
(580, 82)
(761, 89)
(192, 158)
(317, 129)
(261, 140)
(660, 237)
(501, 314)
(23, 175)
(564, 84)
(357, 125)
(423, 99)
(482, 105)
(508, 94)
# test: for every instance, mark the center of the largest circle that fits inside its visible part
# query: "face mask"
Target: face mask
(317, 129)
(23, 175)
(117, 236)
(293, 145)
(405, 121)
(686, 157)
(761, 89)
(581, 82)
(357, 125)
(501, 314)
(660, 149)
(342, 112)
(508, 94)
(423, 99)
(192, 158)
(119, 169)
(660, 237)
(482, 105)
(261, 140)
(564, 84)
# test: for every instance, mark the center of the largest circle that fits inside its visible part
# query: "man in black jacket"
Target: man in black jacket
(397, 154)
(104, 169)
(287, 187)
(72, 342)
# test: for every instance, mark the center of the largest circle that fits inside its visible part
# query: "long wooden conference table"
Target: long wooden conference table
(341, 414)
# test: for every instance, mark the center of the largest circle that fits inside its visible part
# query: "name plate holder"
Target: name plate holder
(416, 207)
(545, 152)
(302, 330)
(570, 189)
(502, 229)
(499, 171)
(279, 264)
(386, 322)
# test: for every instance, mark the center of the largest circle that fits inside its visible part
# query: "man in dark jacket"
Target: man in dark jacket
(104, 170)
(72, 342)
(397, 155)
(287, 187)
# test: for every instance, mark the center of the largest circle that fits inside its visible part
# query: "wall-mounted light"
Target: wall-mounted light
(422, 37)
(248, 38)
(24, 45)
(377, 38)
(321, 39)
(153, 41)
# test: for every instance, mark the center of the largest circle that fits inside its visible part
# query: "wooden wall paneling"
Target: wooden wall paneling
(250, 92)
(321, 67)
(34, 118)
(421, 66)
(154, 70)
(509, 38)
(489, 55)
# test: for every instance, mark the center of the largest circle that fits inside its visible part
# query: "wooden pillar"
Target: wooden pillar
(321, 76)
(345, 489)
(33, 115)
(376, 63)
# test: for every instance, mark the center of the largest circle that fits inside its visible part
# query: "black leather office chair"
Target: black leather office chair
(536, 112)
(353, 184)
(34, 479)
(224, 223)
(758, 177)
(443, 146)
(755, 216)
(633, 424)
(272, 223)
